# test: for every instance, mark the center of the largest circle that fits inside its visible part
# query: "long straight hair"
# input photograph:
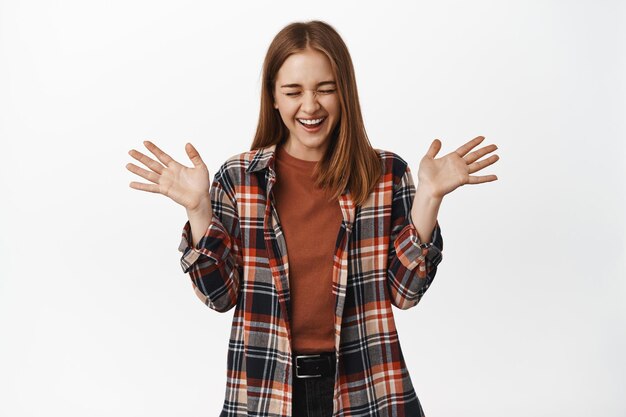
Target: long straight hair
(350, 160)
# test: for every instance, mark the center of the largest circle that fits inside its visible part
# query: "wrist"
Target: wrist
(202, 208)
(427, 193)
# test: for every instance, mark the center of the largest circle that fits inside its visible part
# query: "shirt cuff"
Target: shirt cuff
(215, 244)
(416, 254)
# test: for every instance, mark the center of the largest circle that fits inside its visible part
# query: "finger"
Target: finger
(147, 161)
(162, 156)
(477, 166)
(463, 149)
(473, 179)
(435, 147)
(194, 156)
(479, 153)
(151, 188)
(149, 175)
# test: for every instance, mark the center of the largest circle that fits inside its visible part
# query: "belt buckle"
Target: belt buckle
(306, 356)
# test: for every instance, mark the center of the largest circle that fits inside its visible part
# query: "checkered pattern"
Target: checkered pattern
(241, 261)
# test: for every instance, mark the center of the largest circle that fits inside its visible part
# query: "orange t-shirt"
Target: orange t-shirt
(310, 224)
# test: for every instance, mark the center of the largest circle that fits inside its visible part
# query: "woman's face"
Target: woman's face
(305, 91)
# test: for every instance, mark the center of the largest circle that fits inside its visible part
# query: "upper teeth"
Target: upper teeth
(311, 122)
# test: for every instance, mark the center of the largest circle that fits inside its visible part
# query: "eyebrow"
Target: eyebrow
(298, 85)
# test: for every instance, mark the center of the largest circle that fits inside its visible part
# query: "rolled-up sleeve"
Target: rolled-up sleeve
(214, 264)
(412, 264)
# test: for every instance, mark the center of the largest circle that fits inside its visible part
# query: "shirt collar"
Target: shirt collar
(263, 158)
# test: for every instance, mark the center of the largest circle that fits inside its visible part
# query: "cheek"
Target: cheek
(334, 107)
(288, 110)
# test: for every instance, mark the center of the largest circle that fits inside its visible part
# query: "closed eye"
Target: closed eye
(318, 91)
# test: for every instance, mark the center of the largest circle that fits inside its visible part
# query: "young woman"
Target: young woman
(312, 236)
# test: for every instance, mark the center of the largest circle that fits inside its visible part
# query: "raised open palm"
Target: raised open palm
(444, 175)
(188, 187)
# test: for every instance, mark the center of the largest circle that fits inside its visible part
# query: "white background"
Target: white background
(526, 315)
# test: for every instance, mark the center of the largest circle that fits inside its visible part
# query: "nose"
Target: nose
(310, 104)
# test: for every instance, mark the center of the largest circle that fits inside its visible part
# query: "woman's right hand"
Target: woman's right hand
(189, 187)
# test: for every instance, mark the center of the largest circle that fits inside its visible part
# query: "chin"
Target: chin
(315, 142)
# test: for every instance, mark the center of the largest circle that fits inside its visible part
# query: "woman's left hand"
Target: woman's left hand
(443, 175)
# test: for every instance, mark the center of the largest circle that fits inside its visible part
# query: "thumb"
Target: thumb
(435, 147)
(193, 154)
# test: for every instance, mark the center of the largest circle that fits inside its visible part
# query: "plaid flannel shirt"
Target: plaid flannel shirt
(379, 261)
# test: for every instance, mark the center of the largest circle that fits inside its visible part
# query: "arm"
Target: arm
(412, 262)
(424, 212)
(213, 259)
(199, 220)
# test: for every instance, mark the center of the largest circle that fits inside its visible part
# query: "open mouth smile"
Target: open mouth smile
(312, 125)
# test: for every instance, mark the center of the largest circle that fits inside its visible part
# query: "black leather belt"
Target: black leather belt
(314, 365)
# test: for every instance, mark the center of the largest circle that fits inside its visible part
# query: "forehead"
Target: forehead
(307, 67)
